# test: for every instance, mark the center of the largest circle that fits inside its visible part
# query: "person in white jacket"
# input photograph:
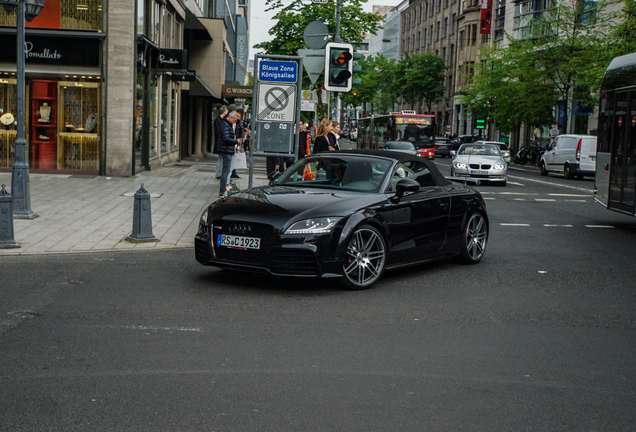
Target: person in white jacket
(334, 135)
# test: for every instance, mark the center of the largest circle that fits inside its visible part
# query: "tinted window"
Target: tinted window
(400, 145)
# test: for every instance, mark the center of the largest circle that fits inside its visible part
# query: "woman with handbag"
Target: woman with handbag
(321, 143)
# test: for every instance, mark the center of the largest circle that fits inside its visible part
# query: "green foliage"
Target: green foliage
(420, 77)
(624, 33)
(294, 16)
(567, 52)
(376, 76)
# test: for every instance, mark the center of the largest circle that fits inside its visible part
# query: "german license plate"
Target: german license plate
(238, 242)
(478, 172)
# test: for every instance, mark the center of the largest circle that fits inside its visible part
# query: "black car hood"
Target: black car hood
(280, 205)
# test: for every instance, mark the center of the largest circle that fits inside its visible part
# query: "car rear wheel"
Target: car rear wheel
(567, 173)
(474, 238)
(365, 258)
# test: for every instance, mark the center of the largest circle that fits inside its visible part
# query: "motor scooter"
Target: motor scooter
(522, 157)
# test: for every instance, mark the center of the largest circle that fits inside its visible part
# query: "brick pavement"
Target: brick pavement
(93, 213)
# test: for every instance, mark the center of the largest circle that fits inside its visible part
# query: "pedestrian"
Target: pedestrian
(321, 143)
(238, 133)
(227, 147)
(217, 138)
(303, 141)
(334, 135)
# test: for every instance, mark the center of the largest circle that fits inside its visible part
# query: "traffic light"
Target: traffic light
(480, 124)
(356, 69)
(338, 66)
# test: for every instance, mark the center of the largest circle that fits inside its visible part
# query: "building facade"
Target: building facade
(120, 86)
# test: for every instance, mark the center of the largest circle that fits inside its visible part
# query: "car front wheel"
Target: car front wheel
(544, 171)
(474, 238)
(365, 258)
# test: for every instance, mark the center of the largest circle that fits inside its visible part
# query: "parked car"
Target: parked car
(572, 155)
(443, 147)
(349, 215)
(401, 146)
(480, 163)
(505, 151)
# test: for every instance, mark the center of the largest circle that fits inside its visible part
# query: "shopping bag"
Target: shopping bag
(239, 161)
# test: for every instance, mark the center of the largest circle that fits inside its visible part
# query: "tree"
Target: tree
(376, 76)
(623, 32)
(420, 77)
(293, 16)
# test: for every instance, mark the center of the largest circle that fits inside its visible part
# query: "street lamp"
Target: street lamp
(27, 9)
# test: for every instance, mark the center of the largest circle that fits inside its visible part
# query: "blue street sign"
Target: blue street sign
(278, 71)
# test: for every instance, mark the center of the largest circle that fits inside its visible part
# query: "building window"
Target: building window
(445, 27)
(424, 40)
(444, 53)
(438, 30)
(452, 55)
(461, 40)
(453, 23)
(474, 34)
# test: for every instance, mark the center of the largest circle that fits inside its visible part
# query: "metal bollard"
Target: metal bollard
(6, 221)
(142, 218)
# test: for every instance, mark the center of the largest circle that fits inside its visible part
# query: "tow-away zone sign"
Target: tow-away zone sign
(276, 102)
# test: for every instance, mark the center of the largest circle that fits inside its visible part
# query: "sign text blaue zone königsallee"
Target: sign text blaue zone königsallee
(278, 71)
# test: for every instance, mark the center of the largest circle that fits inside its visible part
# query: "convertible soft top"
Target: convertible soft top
(401, 158)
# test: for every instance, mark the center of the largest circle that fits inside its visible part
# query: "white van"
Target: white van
(572, 155)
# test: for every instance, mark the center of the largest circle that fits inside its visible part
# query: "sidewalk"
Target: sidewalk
(92, 213)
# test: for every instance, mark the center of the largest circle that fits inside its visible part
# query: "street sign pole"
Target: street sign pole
(276, 81)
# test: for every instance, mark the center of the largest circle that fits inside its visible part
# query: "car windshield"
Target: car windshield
(353, 173)
(400, 145)
(480, 149)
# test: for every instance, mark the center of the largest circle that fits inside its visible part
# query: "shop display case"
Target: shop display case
(78, 122)
(8, 113)
(44, 124)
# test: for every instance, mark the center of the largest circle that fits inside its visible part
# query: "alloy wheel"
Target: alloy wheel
(475, 238)
(365, 258)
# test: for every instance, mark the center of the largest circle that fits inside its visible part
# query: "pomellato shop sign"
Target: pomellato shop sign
(51, 50)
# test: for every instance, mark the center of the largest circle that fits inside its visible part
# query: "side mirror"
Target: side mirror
(453, 153)
(406, 185)
(273, 176)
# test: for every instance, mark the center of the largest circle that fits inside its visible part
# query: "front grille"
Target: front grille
(262, 231)
(299, 262)
(477, 166)
(485, 167)
(202, 250)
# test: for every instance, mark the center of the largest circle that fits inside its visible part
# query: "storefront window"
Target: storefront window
(8, 113)
(152, 130)
(64, 14)
(173, 119)
(79, 126)
(164, 114)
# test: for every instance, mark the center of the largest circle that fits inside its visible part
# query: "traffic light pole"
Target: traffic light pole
(337, 38)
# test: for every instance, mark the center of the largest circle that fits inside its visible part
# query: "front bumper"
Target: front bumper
(280, 254)
(483, 176)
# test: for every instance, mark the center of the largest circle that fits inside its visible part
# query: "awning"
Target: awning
(199, 89)
(194, 26)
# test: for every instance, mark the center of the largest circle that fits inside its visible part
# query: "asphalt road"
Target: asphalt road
(539, 336)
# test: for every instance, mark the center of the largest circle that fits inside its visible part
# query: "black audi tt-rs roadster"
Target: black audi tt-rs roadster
(346, 214)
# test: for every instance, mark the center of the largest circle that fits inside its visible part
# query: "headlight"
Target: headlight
(204, 218)
(419, 154)
(313, 226)
(460, 165)
(500, 167)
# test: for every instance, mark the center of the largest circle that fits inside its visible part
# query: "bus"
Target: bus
(615, 181)
(419, 129)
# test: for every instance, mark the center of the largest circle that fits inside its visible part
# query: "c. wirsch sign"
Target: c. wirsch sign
(50, 50)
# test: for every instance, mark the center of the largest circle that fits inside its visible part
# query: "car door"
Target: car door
(419, 219)
(548, 156)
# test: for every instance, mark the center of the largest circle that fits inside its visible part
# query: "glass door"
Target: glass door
(623, 170)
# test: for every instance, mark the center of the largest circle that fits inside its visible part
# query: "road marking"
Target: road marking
(569, 195)
(516, 184)
(514, 224)
(489, 198)
(562, 226)
(545, 199)
(599, 226)
(515, 193)
(520, 199)
(575, 200)
(552, 184)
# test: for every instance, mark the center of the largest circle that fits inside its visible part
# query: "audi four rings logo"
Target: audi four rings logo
(240, 229)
